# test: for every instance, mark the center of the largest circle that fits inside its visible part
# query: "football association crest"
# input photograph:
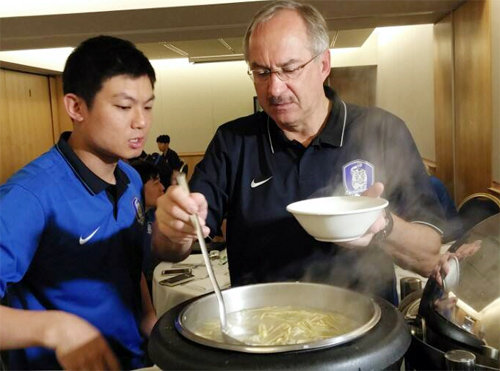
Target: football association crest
(358, 176)
(139, 211)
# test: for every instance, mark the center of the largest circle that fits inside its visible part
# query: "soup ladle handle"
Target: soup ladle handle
(181, 180)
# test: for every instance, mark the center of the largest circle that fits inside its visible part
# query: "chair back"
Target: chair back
(477, 207)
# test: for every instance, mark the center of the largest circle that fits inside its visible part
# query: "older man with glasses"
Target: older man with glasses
(307, 143)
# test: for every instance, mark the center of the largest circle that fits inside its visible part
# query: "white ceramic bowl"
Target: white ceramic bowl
(337, 219)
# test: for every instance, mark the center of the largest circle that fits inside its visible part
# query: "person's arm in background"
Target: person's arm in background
(78, 345)
(176, 164)
(148, 312)
(176, 161)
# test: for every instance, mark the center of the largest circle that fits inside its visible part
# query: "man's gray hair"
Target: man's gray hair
(315, 23)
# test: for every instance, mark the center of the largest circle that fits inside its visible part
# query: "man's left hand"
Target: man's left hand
(375, 190)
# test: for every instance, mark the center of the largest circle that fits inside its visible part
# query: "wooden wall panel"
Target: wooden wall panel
(473, 98)
(54, 108)
(61, 120)
(191, 159)
(443, 102)
(25, 120)
(356, 85)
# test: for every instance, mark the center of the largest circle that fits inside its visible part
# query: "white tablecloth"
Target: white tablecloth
(165, 297)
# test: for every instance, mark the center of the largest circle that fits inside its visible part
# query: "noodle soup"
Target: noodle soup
(281, 325)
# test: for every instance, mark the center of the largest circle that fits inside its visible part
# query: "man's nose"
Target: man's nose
(275, 86)
(139, 119)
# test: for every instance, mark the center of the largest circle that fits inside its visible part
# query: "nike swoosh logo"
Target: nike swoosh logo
(255, 184)
(83, 241)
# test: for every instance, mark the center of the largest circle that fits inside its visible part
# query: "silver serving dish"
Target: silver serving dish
(360, 308)
(463, 312)
(470, 294)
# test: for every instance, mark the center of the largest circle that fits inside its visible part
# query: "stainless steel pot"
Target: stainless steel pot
(359, 308)
(382, 347)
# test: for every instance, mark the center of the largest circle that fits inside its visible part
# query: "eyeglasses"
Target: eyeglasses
(261, 75)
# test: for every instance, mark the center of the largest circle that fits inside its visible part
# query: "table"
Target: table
(166, 297)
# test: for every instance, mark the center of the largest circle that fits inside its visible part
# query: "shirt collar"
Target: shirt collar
(333, 132)
(91, 181)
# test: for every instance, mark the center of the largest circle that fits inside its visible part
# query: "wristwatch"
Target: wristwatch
(384, 233)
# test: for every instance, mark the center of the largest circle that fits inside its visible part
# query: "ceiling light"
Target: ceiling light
(217, 58)
(175, 49)
(226, 45)
(48, 59)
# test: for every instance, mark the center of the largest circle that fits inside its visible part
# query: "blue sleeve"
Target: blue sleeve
(22, 222)
(449, 207)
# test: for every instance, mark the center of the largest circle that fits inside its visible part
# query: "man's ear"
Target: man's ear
(75, 107)
(325, 63)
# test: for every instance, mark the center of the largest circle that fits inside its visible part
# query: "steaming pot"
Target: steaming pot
(380, 340)
(464, 313)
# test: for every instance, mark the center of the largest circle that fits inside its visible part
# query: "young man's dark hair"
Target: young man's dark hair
(163, 139)
(100, 58)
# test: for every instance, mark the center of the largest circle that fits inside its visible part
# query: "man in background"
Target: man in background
(72, 224)
(168, 162)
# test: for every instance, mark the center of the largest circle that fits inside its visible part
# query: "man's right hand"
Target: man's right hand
(173, 212)
(79, 345)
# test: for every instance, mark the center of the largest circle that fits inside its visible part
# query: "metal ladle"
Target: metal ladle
(225, 327)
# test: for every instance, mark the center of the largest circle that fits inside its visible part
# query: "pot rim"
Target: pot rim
(362, 329)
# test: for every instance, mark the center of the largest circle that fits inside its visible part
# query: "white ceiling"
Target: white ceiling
(180, 28)
(36, 7)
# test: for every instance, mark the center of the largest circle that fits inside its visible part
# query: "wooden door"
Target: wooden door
(463, 100)
(473, 99)
(25, 120)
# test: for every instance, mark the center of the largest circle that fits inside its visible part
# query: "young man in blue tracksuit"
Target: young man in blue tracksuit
(72, 224)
